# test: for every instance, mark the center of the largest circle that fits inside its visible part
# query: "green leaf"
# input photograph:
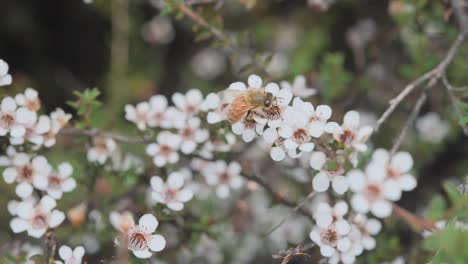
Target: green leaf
(452, 192)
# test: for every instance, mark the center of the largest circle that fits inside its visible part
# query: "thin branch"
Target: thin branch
(278, 197)
(413, 220)
(409, 122)
(97, 132)
(449, 88)
(431, 77)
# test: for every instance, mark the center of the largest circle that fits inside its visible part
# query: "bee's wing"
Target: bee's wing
(235, 110)
(229, 95)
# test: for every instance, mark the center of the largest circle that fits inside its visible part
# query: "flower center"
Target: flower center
(191, 109)
(137, 242)
(186, 132)
(392, 173)
(165, 150)
(25, 173)
(347, 137)
(301, 136)
(329, 237)
(373, 191)
(224, 177)
(273, 112)
(33, 105)
(170, 195)
(55, 182)
(7, 120)
(39, 221)
(249, 122)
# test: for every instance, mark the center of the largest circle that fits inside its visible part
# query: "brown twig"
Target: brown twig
(413, 220)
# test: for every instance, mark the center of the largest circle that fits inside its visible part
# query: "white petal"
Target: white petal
(248, 135)
(321, 182)
(316, 129)
(381, 208)
(373, 226)
(9, 175)
(342, 227)
(277, 154)
(340, 184)
(142, 254)
(184, 195)
(175, 181)
(402, 161)
(324, 111)
(222, 191)
(333, 128)
(78, 252)
(24, 189)
(237, 86)
(356, 180)
(317, 160)
(376, 171)
(307, 147)
(272, 88)
(323, 220)
(344, 244)
(407, 182)
(391, 190)
(270, 135)
(175, 206)
(18, 225)
(254, 81)
(148, 221)
(157, 183)
(65, 252)
(238, 128)
(359, 203)
(157, 243)
(65, 169)
(56, 218)
(351, 120)
(368, 243)
(380, 155)
(69, 185)
(327, 251)
(340, 208)
(47, 203)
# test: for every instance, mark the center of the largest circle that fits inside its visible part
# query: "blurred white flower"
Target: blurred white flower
(432, 128)
(158, 30)
(172, 193)
(122, 221)
(70, 256)
(159, 114)
(37, 218)
(368, 227)
(139, 114)
(278, 65)
(352, 135)
(28, 172)
(321, 181)
(191, 135)
(102, 149)
(208, 63)
(396, 169)
(325, 215)
(189, 103)
(372, 192)
(299, 87)
(165, 150)
(5, 78)
(11, 120)
(60, 181)
(332, 238)
(223, 177)
(29, 99)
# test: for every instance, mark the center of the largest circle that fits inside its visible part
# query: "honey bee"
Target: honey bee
(241, 102)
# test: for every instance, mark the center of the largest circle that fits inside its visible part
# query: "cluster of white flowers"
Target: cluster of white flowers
(341, 239)
(20, 119)
(5, 78)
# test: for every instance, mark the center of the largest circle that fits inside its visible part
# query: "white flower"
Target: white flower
(172, 192)
(28, 173)
(190, 103)
(295, 129)
(372, 192)
(60, 181)
(102, 149)
(321, 181)
(37, 218)
(431, 127)
(36, 129)
(5, 78)
(318, 121)
(191, 135)
(368, 227)
(140, 238)
(247, 128)
(351, 134)
(223, 177)
(70, 256)
(122, 221)
(299, 87)
(332, 238)
(212, 104)
(165, 150)
(11, 120)
(139, 114)
(396, 169)
(7, 160)
(355, 248)
(159, 114)
(325, 215)
(29, 99)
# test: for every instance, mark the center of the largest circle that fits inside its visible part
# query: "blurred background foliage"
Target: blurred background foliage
(358, 54)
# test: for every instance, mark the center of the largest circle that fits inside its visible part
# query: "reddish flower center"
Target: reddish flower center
(25, 173)
(273, 112)
(347, 137)
(373, 191)
(186, 132)
(33, 105)
(301, 136)
(165, 150)
(170, 195)
(39, 221)
(329, 237)
(8, 120)
(224, 177)
(137, 242)
(55, 181)
(392, 173)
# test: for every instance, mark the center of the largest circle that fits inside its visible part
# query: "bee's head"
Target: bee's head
(269, 98)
